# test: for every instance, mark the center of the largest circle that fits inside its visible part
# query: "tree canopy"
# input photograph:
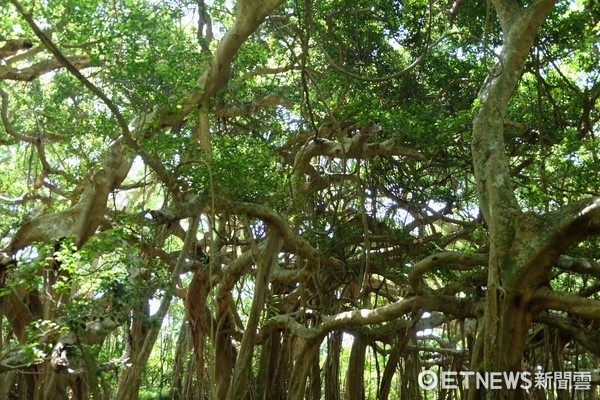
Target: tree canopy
(295, 199)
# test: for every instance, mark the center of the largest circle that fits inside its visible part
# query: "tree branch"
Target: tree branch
(249, 16)
(82, 219)
(454, 260)
(585, 266)
(545, 238)
(14, 46)
(292, 241)
(546, 299)
(353, 142)
(460, 308)
(8, 126)
(73, 69)
(588, 340)
(38, 69)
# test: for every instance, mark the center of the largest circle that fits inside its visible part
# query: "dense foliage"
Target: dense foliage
(297, 199)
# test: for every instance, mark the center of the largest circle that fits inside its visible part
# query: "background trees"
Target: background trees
(296, 200)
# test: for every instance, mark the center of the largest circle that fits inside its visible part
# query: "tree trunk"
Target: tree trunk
(268, 365)
(282, 374)
(477, 359)
(390, 368)
(303, 361)
(511, 278)
(182, 348)
(314, 392)
(199, 320)
(332, 366)
(355, 375)
(6, 382)
(131, 377)
(243, 365)
(225, 355)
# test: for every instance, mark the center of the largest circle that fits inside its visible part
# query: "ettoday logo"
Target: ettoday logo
(578, 380)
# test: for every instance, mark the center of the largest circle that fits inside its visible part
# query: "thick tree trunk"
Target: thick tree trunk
(507, 316)
(355, 375)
